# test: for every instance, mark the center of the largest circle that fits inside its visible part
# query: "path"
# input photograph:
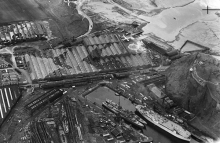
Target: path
(79, 4)
(202, 81)
(142, 17)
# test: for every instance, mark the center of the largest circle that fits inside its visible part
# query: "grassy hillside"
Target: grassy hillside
(188, 93)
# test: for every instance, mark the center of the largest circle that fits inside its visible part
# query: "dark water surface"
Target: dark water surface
(103, 93)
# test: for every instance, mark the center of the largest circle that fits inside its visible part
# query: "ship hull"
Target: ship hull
(161, 128)
(124, 118)
(109, 109)
(129, 121)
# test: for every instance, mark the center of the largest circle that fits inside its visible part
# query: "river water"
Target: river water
(103, 93)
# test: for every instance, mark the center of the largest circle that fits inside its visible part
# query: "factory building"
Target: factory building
(97, 53)
(9, 96)
(69, 64)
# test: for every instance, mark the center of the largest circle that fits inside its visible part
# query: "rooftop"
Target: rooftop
(9, 96)
(159, 42)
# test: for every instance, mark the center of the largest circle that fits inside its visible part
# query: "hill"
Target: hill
(193, 83)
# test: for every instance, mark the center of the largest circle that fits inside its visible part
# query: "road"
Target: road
(202, 81)
(19, 10)
(142, 17)
(79, 4)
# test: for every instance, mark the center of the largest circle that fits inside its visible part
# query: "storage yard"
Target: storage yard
(80, 59)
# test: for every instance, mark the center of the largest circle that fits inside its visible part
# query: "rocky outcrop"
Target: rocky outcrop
(187, 92)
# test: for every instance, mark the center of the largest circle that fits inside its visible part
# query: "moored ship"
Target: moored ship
(130, 118)
(164, 123)
(121, 131)
(140, 138)
(125, 112)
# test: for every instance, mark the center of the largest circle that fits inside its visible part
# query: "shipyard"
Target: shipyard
(108, 71)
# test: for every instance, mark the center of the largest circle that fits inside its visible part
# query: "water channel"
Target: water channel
(103, 93)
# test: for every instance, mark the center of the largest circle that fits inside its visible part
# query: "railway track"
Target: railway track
(39, 99)
(36, 134)
(155, 79)
(43, 100)
(71, 122)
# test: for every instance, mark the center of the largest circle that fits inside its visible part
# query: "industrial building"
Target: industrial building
(8, 98)
(97, 53)
(161, 48)
(43, 100)
(23, 31)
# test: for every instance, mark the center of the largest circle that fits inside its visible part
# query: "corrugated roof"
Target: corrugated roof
(157, 41)
(8, 98)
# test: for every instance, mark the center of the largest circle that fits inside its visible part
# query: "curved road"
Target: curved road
(142, 17)
(202, 81)
(79, 4)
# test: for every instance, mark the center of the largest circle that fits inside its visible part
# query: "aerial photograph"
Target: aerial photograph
(110, 71)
